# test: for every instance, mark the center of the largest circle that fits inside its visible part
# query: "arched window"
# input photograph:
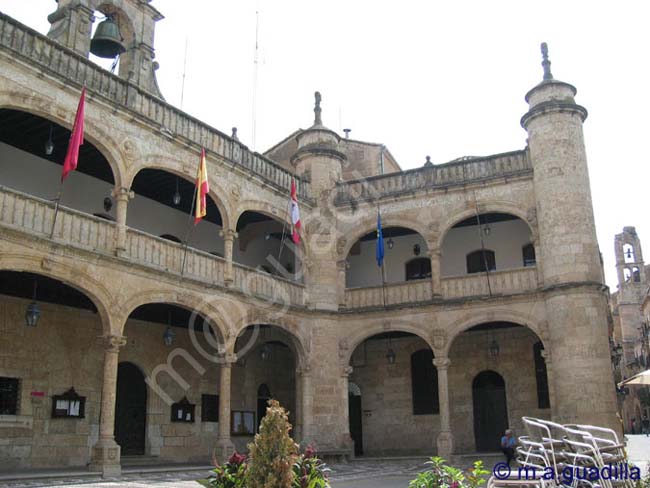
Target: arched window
(481, 260)
(528, 255)
(418, 269)
(627, 274)
(628, 253)
(424, 383)
(541, 377)
(636, 275)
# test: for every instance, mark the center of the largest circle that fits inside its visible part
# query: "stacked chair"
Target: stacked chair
(552, 455)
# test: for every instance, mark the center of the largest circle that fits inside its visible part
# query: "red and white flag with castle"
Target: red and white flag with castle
(295, 214)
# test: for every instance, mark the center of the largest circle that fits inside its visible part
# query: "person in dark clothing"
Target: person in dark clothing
(508, 443)
(645, 425)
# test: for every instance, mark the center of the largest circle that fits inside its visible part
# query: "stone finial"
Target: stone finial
(234, 134)
(317, 109)
(428, 162)
(546, 63)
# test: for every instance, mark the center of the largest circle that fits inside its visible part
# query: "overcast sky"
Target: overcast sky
(445, 79)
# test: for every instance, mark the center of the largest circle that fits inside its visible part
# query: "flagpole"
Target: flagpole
(190, 228)
(284, 226)
(56, 208)
(480, 235)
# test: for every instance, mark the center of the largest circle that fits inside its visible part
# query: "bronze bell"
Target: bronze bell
(107, 41)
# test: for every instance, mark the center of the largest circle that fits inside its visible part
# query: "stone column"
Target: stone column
(224, 446)
(436, 287)
(346, 439)
(105, 455)
(550, 379)
(228, 242)
(305, 376)
(445, 441)
(122, 196)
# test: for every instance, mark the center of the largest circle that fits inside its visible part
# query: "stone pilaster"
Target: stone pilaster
(122, 196)
(224, 446)
(229, 236)
(105, 455)
(550, 378)
(436, 289)
(445, 440)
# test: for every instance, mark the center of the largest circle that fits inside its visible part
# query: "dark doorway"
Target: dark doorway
(130, 409)
(490, 410)
(263, 397)
(355, 415)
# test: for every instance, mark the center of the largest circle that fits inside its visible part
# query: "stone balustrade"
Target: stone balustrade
(272, 288)
(394, 293)
(500, 283)
(57, 60)
(34, 216)
(454, 173)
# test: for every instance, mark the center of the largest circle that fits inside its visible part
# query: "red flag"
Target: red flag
(295, 214)
(76, 138)
(202, 190)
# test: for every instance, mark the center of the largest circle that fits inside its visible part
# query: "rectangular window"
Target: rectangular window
(8, 396)
(209, 408)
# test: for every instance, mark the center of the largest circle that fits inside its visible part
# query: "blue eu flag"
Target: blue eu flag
(379, 252)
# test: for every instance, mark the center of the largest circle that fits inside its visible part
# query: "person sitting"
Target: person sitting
(508, 443)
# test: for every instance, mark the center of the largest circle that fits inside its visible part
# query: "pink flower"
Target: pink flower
(237, 459)
(310, 452)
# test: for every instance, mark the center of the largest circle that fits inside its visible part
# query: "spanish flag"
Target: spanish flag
(202, 190)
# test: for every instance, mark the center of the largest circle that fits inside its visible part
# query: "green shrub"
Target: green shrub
(273, 452)
(440, 475)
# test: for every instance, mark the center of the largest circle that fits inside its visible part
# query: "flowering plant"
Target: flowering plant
(440, 475)
(309, 471)
(231, 474)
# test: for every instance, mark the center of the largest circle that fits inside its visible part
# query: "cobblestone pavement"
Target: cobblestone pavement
(366, 473)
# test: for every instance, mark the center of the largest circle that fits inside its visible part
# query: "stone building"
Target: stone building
(629, 337)
(123, 334)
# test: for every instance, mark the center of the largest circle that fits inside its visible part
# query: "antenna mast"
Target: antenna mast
(255, 68)
(184, 70)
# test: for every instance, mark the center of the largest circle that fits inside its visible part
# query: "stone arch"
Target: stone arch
(73, 277)
(486, 207)
(370, 224)
(349, 345)
(298, 345)
(63, 115)
(270, 211)
(455, 329)
(191, 301)
(180, 168)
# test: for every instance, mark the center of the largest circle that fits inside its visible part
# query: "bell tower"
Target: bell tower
(127, 30)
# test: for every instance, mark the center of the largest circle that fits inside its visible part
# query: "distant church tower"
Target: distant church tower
(132, 22)
(629, 259)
